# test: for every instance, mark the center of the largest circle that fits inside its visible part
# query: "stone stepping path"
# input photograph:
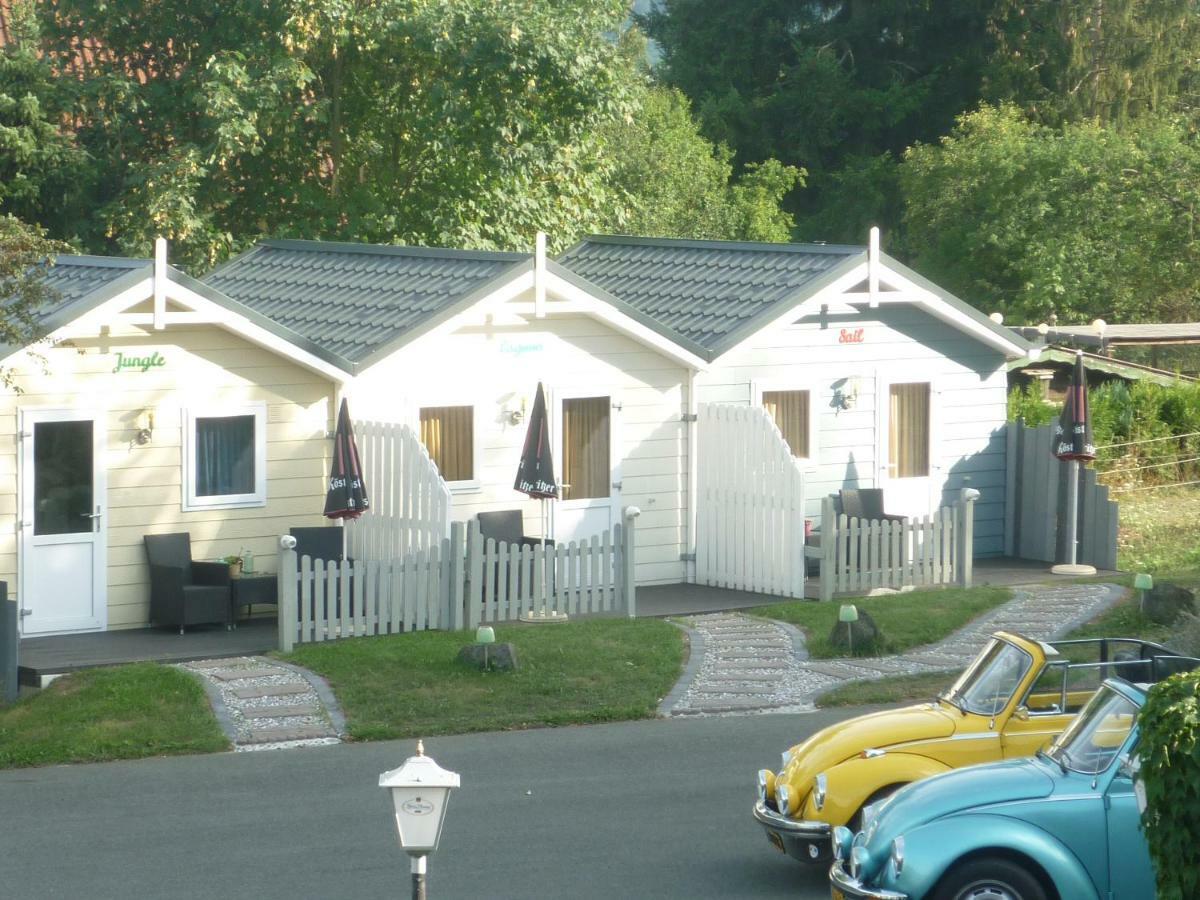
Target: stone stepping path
(740, 664)
(263, 704)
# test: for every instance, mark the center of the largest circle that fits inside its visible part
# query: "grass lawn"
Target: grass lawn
(126, 712)
(1159, 531)
(1123, 620)
(906, 620)
(412, 685)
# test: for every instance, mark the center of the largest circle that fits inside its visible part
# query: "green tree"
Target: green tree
(42, 172)
(839, 87)
(1081, 220)
(677, 184)
(25, 255)
(1110, 60)
(464, 122)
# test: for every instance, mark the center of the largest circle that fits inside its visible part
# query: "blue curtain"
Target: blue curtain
(224, 456)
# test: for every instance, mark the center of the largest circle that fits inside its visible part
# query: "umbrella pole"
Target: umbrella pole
(1070, 567)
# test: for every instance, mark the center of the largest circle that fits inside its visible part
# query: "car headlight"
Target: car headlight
(783, 798)
(898, 855)
(858, 860)
(820, 786)
(766, 785)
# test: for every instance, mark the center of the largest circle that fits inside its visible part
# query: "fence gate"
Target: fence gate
(1037, 504)
(410, 502)
(750, 503)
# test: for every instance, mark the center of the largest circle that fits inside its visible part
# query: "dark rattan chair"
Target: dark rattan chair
(325, 542)
(184, 592)
(507, 525)
(865, 503)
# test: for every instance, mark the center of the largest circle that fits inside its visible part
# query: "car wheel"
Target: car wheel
(989, 878)
(856, 821)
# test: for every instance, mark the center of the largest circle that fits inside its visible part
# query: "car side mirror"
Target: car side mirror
(1021, 713)
(1127, 766)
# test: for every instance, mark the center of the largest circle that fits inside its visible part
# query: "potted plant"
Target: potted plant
(234, 561)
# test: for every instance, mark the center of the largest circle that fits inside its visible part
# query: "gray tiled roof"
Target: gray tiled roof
(75, 277)
(356, 300)
(708, 292)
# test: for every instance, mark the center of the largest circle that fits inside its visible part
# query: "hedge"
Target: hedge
(1169, 751)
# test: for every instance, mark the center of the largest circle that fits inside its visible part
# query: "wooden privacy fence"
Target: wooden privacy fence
(410, 502)
(857, 555)
(1036, 505)
(455, 585)
(750, 503)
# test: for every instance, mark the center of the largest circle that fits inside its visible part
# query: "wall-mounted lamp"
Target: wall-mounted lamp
(845, 393)
(514, 416)
(145, 427)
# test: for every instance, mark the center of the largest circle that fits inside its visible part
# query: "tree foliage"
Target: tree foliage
(1170, 770)
(465, 122)
(677, 184)
(25, 255)
(1079, 220)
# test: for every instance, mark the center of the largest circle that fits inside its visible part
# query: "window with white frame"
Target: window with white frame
(448, 433)
(908, 431)
(225, 456)
(792, 412)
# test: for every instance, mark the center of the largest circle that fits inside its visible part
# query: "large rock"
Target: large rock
(862, 635)
(1164, 602)
(501, 657)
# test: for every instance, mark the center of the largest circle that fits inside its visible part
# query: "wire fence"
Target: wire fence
(1150, 464)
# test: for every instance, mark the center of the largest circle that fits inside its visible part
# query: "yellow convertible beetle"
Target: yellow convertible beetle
(1016, 695)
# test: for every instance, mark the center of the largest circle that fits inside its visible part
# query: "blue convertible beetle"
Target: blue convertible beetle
(1064, 824)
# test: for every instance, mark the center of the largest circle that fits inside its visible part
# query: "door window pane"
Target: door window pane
(789, 409)
(448, 433)
(62, 477)
(224, 455)
(586, 470)
(908, 431)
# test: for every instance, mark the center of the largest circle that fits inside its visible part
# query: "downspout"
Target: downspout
(693, 477)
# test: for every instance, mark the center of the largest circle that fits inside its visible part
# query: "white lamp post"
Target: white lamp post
(420, 790)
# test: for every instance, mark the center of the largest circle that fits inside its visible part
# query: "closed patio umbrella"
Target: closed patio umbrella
(1073, 443)
(535, 471)
(347, 495)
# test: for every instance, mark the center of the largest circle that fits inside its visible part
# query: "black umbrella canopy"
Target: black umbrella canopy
(1073, 434)
(535, 472)
(347, 496)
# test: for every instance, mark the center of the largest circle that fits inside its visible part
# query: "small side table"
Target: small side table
(251, 589)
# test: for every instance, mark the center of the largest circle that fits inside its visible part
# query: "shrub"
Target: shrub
(1170, 758)
(1027, 403)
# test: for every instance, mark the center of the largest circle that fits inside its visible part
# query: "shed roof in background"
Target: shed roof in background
(355, 300)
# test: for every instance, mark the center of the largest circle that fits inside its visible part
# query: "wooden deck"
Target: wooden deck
(41, 656)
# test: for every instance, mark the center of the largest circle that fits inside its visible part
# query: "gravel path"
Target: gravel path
(264, 704)
(741, 664)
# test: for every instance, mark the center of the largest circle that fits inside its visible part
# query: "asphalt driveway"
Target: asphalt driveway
(644, 809)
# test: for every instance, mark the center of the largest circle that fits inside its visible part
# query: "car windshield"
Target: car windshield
(988, 684)
(1096, 735)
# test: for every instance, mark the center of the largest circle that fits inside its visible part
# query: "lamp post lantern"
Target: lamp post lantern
(420, 791)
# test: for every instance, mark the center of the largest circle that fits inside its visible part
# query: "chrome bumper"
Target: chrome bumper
(803, 840)
(852, 889)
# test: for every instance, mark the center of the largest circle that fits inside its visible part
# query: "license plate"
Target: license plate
(835, 894)
(776, 840)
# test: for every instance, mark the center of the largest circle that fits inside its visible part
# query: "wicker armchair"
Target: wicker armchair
(184, 592)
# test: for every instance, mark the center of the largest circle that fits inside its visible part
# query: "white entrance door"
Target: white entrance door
(906, 446)
(586, 448)
(62, 585)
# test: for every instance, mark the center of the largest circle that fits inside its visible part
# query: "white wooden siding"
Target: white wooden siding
(204, 365)
(495, 367)
(970, 377)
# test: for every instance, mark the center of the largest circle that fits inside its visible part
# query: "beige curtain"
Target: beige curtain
(448, 433)
(908, 432)
(585, 448)
(789, 409)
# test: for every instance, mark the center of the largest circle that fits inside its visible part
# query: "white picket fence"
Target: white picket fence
(410, 502)
(857, 555)
(454, 585)
(750, 503)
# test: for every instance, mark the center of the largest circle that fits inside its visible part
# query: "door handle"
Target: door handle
(94, 515)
